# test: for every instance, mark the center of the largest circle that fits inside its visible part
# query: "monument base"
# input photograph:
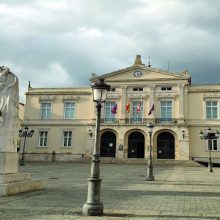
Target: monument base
(15, 183)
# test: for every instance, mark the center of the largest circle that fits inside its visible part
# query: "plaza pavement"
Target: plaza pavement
(177, 193)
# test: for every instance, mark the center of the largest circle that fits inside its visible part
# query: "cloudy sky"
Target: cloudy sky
(60, 43)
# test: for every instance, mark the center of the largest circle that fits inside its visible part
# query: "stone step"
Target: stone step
(188, 163)
(19, 187)
(14, 183)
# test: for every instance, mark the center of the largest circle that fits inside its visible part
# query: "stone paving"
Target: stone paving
(177, 193)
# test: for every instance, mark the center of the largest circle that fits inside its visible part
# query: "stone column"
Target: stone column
(11, 182)
(181, 103)
(183, 143)
(123, 103)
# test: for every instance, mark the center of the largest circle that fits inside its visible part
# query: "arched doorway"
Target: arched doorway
(165, 146)
(108, 144)
(136, 145)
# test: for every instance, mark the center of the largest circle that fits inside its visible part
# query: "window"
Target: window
(69, 110)
(211, 109)
(112, 89)
(166, 110)
(213, 144)
(43, 138)
(137, 89)
(46, 110)
(67, 138)
(137, 111)
(109, 117)
(166, 88)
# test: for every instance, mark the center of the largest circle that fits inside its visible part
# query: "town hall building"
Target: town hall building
(64, 118)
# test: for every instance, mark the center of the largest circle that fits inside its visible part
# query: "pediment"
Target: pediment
(142, 73)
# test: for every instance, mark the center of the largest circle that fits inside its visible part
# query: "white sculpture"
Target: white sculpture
(11, 182)
(9, 95)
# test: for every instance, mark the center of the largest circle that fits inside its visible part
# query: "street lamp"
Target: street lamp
(25, 133)
(209, 135)
(93, 206)
(150, 176)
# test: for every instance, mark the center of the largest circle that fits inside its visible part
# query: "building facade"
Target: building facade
(64, 118)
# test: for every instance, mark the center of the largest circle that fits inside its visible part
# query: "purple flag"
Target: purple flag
(151, 110)
(114, 109)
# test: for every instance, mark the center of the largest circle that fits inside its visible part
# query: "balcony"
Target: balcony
(121, 121)
(165, 120)
(109, 120)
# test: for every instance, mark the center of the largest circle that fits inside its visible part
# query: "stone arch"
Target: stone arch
(166, 146)
(108, 142)
(135, 142)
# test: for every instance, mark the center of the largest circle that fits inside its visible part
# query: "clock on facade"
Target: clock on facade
(137, 73)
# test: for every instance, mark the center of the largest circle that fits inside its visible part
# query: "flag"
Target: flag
(138, 107)
(151, 109)
(127, 107)
(114, 109)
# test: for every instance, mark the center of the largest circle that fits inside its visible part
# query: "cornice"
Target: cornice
(70, 98)
(58, 93)
(137, 95)
(113, 95)
(179, 76)
(46, 98)
(161, 95)
(211, 95)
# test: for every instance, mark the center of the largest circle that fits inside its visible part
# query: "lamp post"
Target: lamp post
(150, 176)
(25, 133)
(209, 135)
(93, 206)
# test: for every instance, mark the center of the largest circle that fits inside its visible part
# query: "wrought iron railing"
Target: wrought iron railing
(109, 120)
(165, 120)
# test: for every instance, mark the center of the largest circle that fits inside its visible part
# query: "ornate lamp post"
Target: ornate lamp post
(150, 176)
(93, 206)
(209, 135)
(25, 133)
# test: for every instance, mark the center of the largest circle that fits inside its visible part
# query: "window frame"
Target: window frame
(43, 138)
(74, 110)
(41, 110)
(166, 88)
(112, 117)
(166, 106)
(137, 116)
(68, 138)
(138, 89)
(211, 110)
(213, 141)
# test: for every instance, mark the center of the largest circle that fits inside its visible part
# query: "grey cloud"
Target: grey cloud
(75, 38)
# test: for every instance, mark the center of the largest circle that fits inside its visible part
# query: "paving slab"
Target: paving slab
(177, 193)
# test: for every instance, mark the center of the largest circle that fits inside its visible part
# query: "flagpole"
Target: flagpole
(129, 111)
(142, 110)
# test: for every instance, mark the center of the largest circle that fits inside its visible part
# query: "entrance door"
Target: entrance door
(108, 144)
(165, 146)
(136, 145)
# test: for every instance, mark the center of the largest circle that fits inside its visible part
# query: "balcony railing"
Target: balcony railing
(136, 120)
(165, 120)
(109, 120)
(140, 120)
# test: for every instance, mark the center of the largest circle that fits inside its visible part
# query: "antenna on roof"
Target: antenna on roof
(149, 65)
(29, 84)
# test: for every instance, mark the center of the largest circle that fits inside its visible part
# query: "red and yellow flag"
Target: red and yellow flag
(127, 107)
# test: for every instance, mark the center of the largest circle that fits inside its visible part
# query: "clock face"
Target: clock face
(137, 73)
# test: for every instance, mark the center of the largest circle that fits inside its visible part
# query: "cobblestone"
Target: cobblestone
(177, 193)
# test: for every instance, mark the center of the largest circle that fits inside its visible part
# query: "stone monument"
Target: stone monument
(11, 182)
